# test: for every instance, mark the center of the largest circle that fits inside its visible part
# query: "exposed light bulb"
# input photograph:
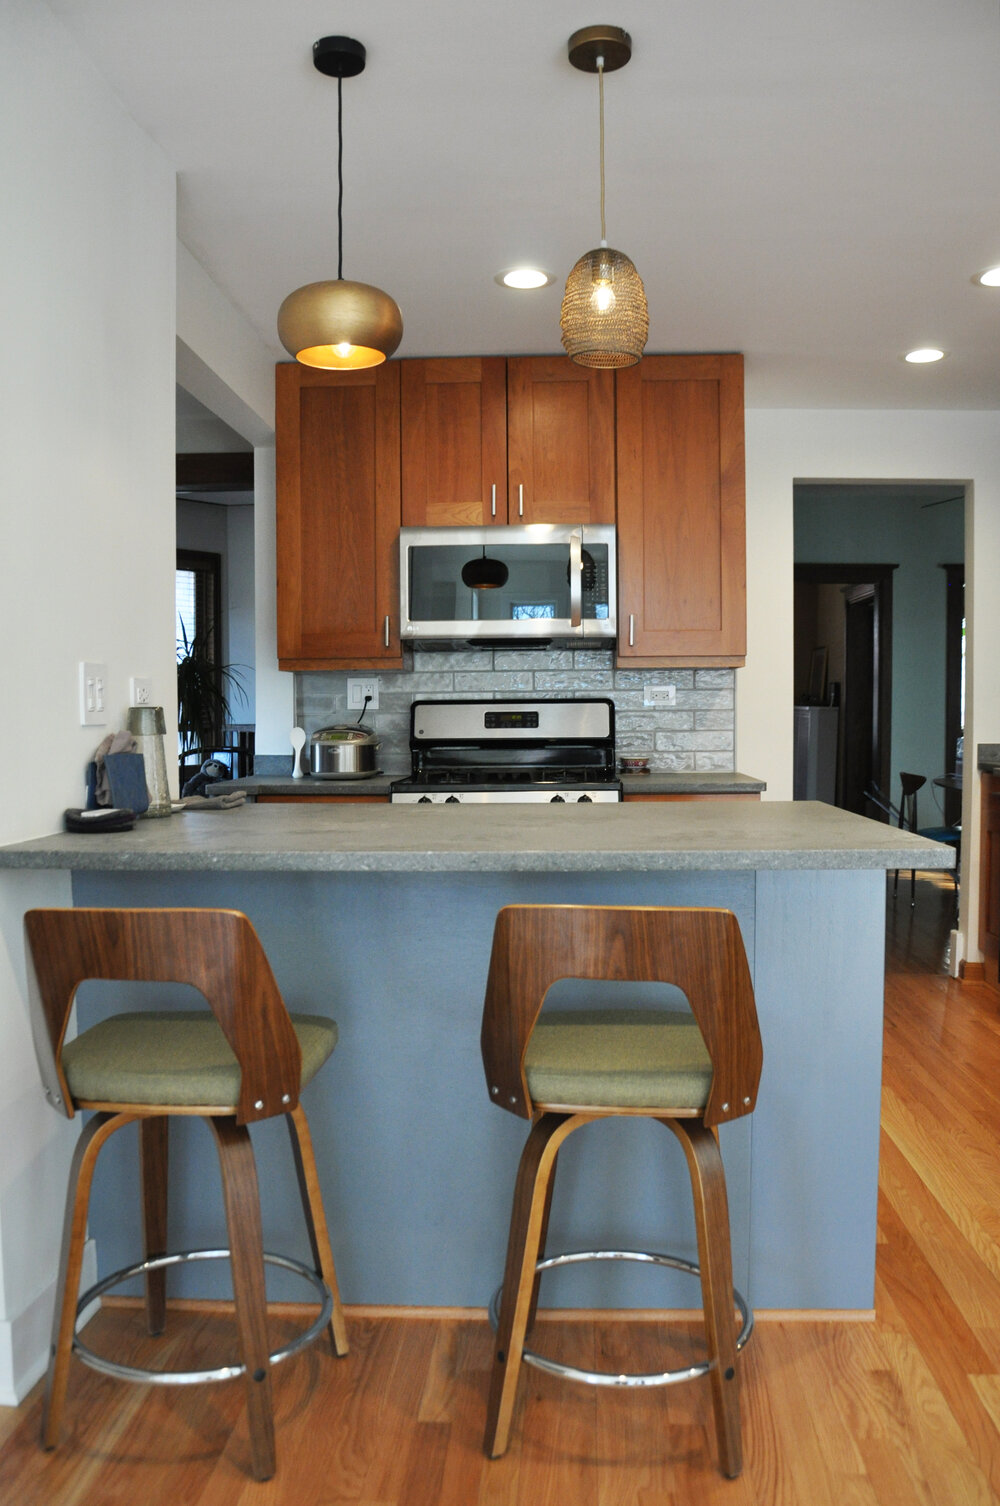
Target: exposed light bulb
(603, 298)
(344, 349)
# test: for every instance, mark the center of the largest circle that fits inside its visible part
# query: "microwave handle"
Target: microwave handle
(575, 580)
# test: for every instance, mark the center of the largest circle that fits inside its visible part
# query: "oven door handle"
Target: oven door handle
(575, 580)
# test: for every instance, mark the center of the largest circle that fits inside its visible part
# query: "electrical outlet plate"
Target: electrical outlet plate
(93, 694)
(659, 695)
(140, 691)
(358, 689)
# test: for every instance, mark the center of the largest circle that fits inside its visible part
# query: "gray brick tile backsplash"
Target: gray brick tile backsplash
(696, 734)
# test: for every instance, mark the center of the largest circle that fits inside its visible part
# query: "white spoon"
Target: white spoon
(298, 740)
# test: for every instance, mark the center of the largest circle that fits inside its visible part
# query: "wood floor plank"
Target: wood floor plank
(955, 1263)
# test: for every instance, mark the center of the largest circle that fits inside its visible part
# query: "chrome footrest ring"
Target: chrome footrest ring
(605, 1377)
(197, 1377)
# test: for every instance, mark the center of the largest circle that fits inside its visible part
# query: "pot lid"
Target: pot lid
(350, 732)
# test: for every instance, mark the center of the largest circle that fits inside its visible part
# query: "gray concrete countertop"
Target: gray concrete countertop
(988, 757)
(657, 782)
(687, 836)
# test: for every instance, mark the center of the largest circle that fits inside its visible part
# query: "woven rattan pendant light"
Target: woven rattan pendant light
(339, 325)
(604, 318)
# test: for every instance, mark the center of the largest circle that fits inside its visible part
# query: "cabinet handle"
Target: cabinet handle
(520, 499)
(387, 629)
(493, 505)
(631, 630)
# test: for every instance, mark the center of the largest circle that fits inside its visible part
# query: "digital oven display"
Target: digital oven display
(511, 719)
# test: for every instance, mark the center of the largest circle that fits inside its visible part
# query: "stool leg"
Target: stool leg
(312, 1206)
(242, 1201)
(711, 1209)
(543, 1236)
(153, 1133)
(94, 1134)
(526, 1223)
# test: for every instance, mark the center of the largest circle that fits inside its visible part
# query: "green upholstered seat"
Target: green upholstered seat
(618, 1058)
(179, 1058)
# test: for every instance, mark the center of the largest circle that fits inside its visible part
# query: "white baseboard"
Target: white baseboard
(25, 1340)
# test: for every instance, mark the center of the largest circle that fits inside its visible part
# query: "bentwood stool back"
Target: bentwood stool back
(569, 1068)
(243, 1060)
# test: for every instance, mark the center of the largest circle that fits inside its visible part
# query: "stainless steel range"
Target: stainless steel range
(467, 752)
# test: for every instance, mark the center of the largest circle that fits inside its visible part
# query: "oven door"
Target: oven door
(537, 581)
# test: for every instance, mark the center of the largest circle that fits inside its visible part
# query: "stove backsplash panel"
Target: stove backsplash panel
(694, 735)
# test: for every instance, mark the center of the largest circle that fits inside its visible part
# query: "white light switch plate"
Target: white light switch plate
(358, 689)
(93, 695)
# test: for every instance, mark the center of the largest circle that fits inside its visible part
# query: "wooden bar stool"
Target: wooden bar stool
(243, 1061)
(569, 1068)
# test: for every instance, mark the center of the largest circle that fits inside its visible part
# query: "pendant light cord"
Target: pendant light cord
(600, 75)
(340, 177)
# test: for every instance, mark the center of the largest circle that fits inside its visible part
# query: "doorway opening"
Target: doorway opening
(877, 590)
(844, 612)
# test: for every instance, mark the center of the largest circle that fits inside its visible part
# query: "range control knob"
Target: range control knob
(557, 800)
(452, 800)
(425, 800)
(584, 800)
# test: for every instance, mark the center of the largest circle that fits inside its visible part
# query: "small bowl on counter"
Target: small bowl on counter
(633, 764)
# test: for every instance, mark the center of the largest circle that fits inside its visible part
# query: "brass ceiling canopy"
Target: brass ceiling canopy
(592, 42)
(604, 316)
(339, 325)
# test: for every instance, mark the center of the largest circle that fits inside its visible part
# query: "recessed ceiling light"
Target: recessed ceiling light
(524, 277)
(990, 278)
(925, 354)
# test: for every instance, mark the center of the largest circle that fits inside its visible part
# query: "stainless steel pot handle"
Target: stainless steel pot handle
(575, 580)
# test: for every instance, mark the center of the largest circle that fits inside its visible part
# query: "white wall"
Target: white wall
(87, 515)
(785, 446)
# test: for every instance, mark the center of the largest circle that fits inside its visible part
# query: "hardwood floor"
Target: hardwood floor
(904, 1411)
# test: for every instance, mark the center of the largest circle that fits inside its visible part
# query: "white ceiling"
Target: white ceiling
(814, 184)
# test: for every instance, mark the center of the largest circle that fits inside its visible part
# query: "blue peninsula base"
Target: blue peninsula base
(418, 1166)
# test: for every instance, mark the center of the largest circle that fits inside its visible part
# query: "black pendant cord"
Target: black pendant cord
(340, 178)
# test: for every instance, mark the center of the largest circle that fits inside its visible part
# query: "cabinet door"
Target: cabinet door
(337, 442)
(454, 441)
(560, 442)
(681, 511)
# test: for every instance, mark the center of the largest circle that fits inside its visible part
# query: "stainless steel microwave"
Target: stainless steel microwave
(529, 582)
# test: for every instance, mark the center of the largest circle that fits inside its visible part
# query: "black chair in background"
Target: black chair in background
(952, 835)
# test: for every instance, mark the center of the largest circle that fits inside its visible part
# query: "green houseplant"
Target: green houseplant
(204, 696)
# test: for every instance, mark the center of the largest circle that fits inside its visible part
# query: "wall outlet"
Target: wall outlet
(93, 695)
(358, 689)
(140, 691)
(659, 695)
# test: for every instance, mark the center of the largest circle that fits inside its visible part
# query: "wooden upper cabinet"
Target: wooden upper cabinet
(454, 456)
(338, 508)
(681, 511)
(560, 442)
(488, 440)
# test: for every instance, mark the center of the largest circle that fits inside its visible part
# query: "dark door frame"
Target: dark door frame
(954, 617)
(880, 578)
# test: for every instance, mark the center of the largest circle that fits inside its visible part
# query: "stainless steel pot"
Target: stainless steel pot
(345, 752)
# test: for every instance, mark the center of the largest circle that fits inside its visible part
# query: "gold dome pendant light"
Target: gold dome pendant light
(339, 325)
(604, 317)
